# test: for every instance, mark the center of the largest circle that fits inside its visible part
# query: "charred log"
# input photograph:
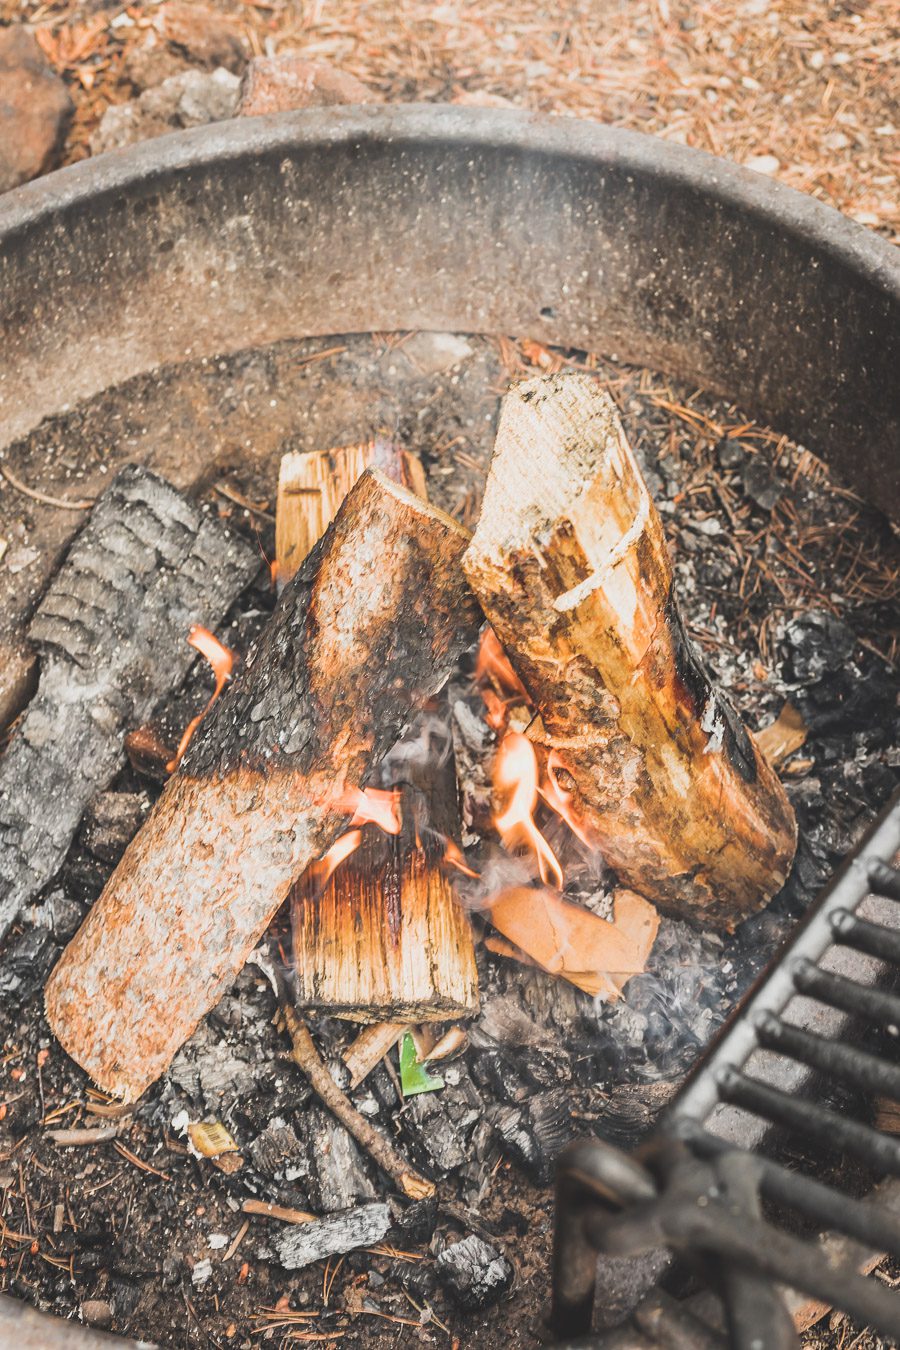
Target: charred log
(385, 940)
(570, 564)
(111, 635)
(370, 625)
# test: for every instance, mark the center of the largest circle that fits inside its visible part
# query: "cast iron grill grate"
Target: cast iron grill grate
(770, 1146)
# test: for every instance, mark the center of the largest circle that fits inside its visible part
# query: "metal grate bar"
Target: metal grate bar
(848, 995)
(832, 1057)
(825, 1206)
(863, 936)
(812, 1121)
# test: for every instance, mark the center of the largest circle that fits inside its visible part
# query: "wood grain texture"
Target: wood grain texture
(352, 648)
(312, 486)
(386, 938)
(111, 633)
(571, 567)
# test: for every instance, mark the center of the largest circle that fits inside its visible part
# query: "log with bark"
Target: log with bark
(111, 633)
(570, 564)
(386, 938)
(371, 625)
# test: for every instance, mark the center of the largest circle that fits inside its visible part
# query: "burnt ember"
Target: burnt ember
(785, 583)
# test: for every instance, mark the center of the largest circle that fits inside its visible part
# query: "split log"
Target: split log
(312, 486)
(386, 939)
(570, 564)
(111, 633)
(370, 625)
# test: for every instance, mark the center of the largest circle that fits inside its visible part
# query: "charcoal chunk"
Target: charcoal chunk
(27, 965)
(730, 454)
(815, 644)
(474, 1273)
(332, 1236)
(277, 1153)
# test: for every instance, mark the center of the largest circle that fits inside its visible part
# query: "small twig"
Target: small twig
(139, 1162)
(265, 1210)
(241, 1234)
(232, 495)
(101, 1134)
(44, 497)
(306, 1057)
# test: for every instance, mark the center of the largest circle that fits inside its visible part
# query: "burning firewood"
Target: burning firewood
(111, 633)
(370, 625)
(570, 564)
(312, 486)
(385, 939)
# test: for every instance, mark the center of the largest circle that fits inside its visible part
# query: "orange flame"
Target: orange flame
(455, 857)
(374, 806)
(222, 661)
(561, 801)
(273, 571)
(499, 684)
(319, 873)
(516, 778)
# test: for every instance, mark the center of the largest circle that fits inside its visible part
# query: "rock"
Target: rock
(111, 822)
(201, 1273)
(338, 1233)
(275, 84)
(761, 484)
(96, 1312)
(35, 109)
(190, 99)
(474, 1273)
(763, 164)
(433, 352)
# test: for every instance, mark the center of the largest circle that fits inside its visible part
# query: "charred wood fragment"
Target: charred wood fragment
(369, 627)
(111, 633)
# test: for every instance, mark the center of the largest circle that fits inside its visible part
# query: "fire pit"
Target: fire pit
(146, 293)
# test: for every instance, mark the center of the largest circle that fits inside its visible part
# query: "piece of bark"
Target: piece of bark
(386, 940)
(594, 954)
(111, 632)
(338, 1233)
(369, 1048)
(369, 627)
(312, 486)
(570, 564)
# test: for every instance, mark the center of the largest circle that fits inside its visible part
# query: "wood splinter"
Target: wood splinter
(386, 940)
(353, 648)
(571, 567)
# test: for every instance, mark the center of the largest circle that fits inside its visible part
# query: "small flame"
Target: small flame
(499, 684)
(516, 778)
(320, 873)
(455, 857)
(221, 659)
(560, 801)
(273, 571)
(375, 806)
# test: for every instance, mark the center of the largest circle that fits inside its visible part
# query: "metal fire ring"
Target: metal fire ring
(470, 220)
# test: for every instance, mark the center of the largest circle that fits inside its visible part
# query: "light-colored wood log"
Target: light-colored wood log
(386, 940)
(353, 648)
(571, 567)
(312, 486)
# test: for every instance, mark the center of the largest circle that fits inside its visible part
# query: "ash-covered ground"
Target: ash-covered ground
(788, 585)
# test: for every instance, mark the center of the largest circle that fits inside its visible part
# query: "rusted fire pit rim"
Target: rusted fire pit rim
(428, 216)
